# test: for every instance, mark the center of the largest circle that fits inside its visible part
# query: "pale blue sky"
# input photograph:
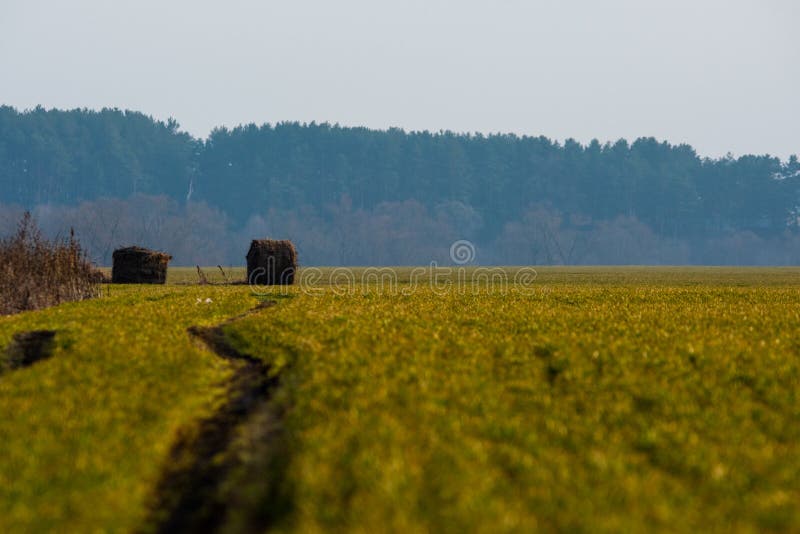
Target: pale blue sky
(721, 75)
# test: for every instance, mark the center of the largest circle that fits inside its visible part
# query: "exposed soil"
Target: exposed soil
(28, 348)
(193, 494)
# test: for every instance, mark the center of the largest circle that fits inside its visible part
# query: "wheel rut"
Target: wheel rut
(193, 493)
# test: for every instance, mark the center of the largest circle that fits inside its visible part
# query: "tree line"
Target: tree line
(486, 186)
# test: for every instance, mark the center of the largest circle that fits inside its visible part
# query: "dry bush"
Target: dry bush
(36, 272)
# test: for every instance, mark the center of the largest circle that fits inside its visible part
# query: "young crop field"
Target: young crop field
(597, 400)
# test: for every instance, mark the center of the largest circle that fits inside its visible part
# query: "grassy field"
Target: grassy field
(597, 399)
(544, 276)
(86, 432)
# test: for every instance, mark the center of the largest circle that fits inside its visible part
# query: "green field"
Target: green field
(595, 399)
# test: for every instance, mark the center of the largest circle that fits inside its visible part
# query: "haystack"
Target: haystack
(137, 265)
(271, 262)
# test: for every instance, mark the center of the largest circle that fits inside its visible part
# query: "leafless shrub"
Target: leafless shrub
(201, 276)
(36, 272)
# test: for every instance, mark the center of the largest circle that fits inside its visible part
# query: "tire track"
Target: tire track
(192, 494)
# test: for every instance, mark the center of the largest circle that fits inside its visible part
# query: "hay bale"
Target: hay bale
(271, 262)
(137, 265)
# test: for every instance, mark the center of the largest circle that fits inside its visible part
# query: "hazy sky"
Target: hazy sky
(720, 75)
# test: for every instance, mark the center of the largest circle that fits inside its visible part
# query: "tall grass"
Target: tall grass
(36, 272)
